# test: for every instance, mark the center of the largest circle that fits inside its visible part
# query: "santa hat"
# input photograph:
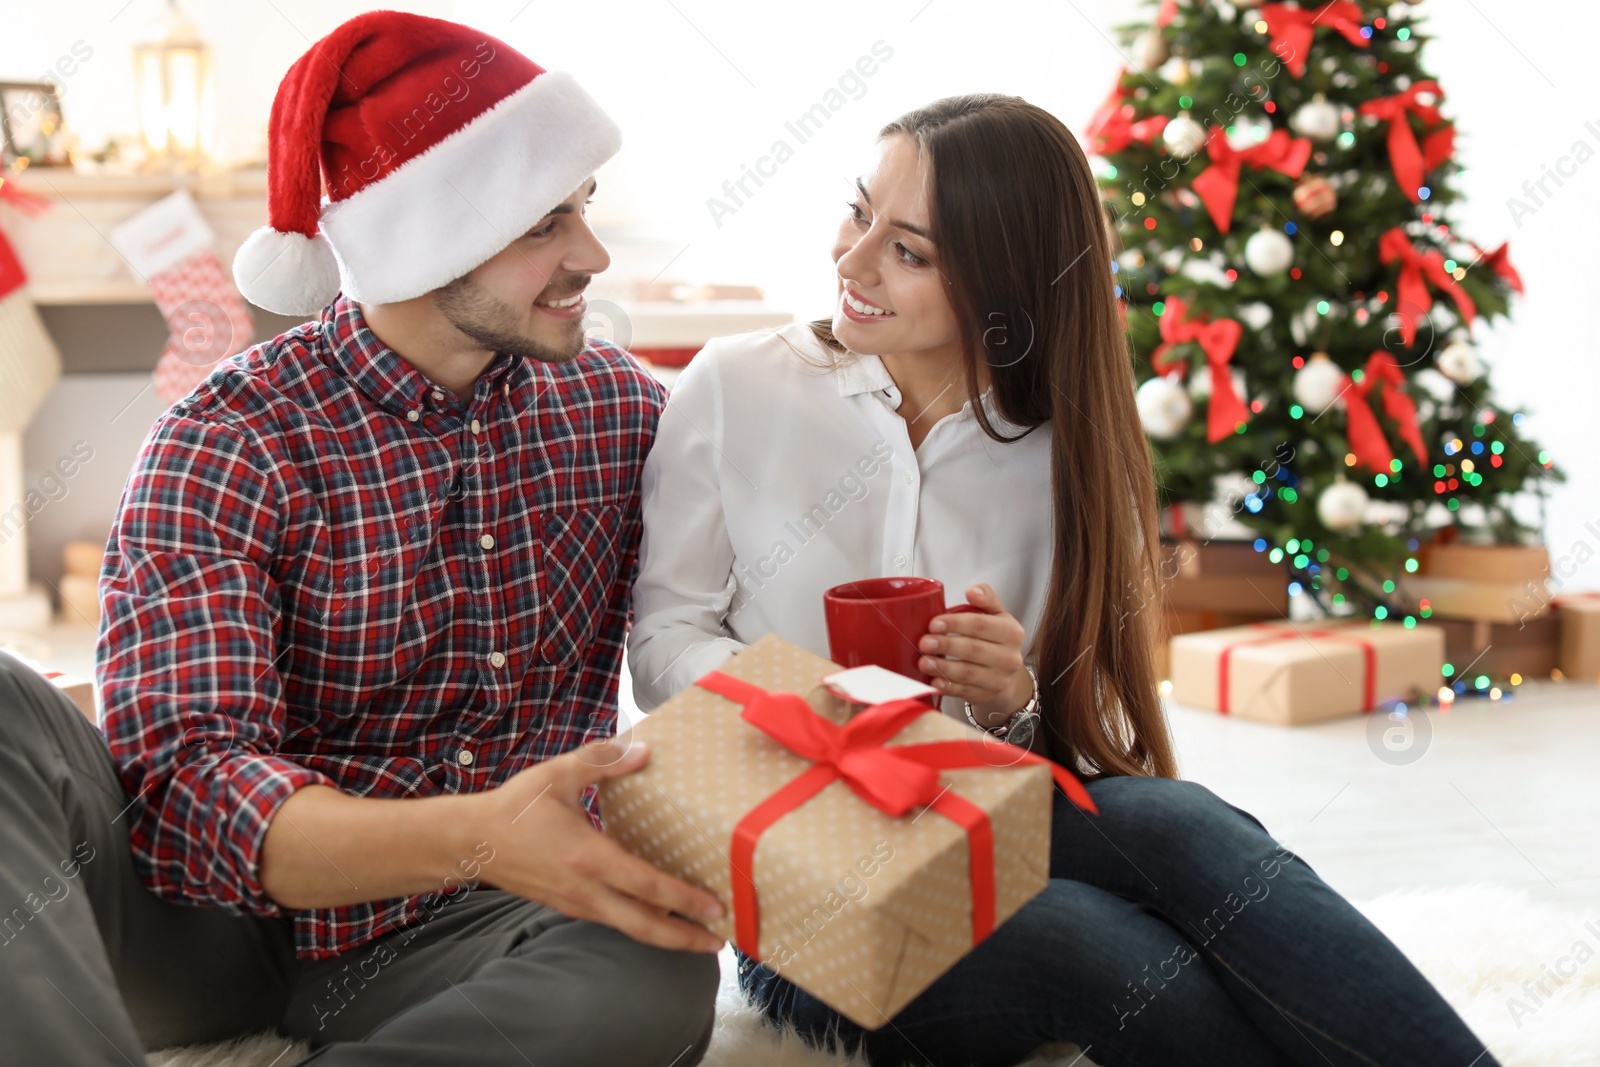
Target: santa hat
(439, 146)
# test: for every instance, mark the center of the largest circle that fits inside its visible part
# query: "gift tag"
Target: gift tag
(874, 685)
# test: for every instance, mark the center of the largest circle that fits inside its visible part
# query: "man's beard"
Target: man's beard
(492, 323)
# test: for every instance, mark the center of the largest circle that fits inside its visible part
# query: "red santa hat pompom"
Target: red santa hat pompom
(438, 146)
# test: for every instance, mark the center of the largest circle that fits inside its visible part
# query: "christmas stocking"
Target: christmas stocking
(171, 246)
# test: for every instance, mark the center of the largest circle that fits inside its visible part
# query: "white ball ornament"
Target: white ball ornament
(1459, 362)
(1164, 407)
(1268, 252)
(1316, 119)
(1183, 136)
(1149, 50)
(1342, 506)
(1318, 384)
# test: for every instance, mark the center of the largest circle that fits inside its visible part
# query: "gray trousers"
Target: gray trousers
(95, 968)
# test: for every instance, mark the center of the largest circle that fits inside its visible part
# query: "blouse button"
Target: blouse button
(477, 427)
(497, 659)
(900, 561)
(464, 758)
(910, 478)
(413, 415)
(487, 541)
(437, 395)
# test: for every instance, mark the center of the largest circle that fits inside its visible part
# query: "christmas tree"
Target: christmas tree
(1300, 307)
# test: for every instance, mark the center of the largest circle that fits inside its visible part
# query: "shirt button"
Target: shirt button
(497, 659)
(477, 427)
(464, 758)
(413, 415)
(900, 561)
(910, 477)
(438, 395)
(487, 541)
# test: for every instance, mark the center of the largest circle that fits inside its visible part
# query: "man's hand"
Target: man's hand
(546, 849)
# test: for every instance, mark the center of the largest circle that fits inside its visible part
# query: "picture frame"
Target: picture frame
(31, 125)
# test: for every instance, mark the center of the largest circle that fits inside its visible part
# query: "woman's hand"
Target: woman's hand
(978, 658)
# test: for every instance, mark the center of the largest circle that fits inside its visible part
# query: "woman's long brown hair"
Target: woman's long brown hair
(1024, 247)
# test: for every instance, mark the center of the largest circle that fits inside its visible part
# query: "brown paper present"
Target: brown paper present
(1223, 576)
(860, 909)
(1292, 673)
(1492, 583)
(1579, 615)
(1500, 649)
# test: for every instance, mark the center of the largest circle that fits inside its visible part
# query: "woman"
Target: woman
(968, 416)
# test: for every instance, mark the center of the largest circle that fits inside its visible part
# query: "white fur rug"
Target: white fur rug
(1486, 948)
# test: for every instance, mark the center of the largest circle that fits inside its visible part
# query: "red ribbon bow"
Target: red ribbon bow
(1412, 298)
(12, 276)
(1411, 163)
(1111, 128)
(892, 778)
(1290, 27)
(1499, 261)
(1367, 442)
(1218, 184)
(1217, 339)
(1279, 632)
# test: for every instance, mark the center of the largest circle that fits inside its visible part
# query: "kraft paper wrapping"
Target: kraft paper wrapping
(1302, 678)
(1580, 635)
(860, 909)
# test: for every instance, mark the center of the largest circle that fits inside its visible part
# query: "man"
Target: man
(365, 603)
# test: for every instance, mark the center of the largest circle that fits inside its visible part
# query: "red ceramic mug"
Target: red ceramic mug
(879, 622)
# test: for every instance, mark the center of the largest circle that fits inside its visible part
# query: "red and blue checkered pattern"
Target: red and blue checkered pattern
(325, 569)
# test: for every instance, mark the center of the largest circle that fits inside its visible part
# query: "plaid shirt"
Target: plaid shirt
(325, 569)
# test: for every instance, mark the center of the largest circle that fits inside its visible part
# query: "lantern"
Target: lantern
(173, 84)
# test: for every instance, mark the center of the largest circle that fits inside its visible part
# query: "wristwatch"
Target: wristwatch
(1018, 729)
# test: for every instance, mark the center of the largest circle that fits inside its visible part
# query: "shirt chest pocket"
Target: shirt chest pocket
(577, 557)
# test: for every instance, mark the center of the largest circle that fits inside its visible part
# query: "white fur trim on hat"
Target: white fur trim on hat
(288, 273)
(438, 216)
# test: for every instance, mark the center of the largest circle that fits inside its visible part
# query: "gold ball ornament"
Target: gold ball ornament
(1315, 196)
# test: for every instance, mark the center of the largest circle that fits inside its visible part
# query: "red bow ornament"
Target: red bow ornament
(1410, 162)
(1112, 128)
(1367, 443)
(1499, 261)
(1290, 28)
(1217, 339)
(1218, 184)
(1412, 298)
(892, 778)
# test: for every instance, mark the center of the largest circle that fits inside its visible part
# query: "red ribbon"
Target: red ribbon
(1499, 261)
(12, 276)
(1369, 659)
(1217, 339)
(1169, 8)
(1410, 162)
(1412, 298)
(1111, 128)
(1367, 442)
(1290, 28)
(893, 779)
(1218, 184)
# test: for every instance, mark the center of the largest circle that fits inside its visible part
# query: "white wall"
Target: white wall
(703, 87)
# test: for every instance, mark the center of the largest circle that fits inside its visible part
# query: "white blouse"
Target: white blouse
(771, 480)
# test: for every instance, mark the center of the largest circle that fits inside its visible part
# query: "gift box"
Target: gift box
(1222, 576)
(860, 852)
(1500, 649)
(1174, 623)
(1293, 673)
(1493, 583)
(1579, 616)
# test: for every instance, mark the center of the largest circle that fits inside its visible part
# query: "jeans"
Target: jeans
(95, 969)
(1173, 930)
